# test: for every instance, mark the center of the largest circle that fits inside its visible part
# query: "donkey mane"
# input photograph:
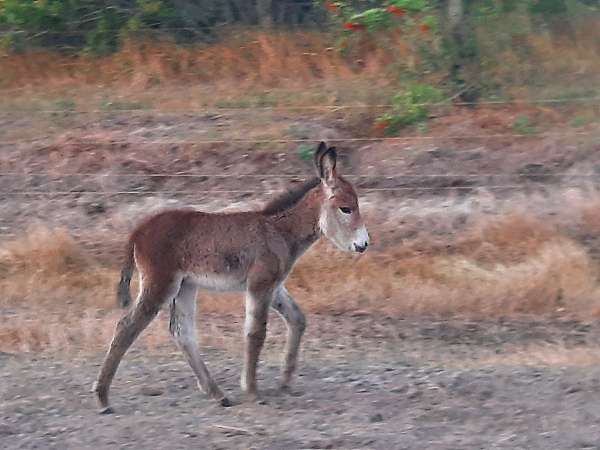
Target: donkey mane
(288, 199)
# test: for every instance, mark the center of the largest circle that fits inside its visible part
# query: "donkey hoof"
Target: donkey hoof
(225, 402)
(256, 399)
(106, 410)
(287, 390)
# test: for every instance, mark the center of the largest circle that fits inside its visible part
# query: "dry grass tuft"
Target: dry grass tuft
(507, 239)
(43, 251)
(47, 267)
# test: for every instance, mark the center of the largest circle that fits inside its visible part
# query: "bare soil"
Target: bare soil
(363, 383)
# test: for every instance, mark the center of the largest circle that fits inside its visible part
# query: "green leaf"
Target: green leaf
(411, 5)
(373, 19)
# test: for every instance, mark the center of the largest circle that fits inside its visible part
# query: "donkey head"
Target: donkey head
(340, 219)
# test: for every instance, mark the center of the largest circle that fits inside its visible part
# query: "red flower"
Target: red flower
(331, 6)
(424, 27)
(393, 9)
(354, 26)
(381, 124)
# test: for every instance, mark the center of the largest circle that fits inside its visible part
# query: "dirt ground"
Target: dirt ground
(363, 383)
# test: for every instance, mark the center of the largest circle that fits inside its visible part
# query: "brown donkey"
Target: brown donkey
(178, 251)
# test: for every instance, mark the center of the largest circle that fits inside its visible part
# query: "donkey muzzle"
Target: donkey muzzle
(361, 248)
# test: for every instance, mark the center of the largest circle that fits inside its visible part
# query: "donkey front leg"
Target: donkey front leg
(295, 320)
(255, 330)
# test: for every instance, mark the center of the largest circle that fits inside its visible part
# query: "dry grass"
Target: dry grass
(557, 276)
(51, 269)
(59, 296)
(245, 70)
(526, 62)
(242, 60)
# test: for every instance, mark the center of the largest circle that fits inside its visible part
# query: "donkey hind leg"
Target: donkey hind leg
(127, 330)
(294, 318)
(183, 328)
(255, 331)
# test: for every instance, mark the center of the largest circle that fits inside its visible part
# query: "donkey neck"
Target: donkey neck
(300, 222)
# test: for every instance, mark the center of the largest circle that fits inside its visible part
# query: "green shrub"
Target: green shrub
(522, 124)
(411, 106)
(305, 151)
(99, 26)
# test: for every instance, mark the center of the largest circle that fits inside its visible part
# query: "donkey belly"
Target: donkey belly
(217, 282)
(214, 262)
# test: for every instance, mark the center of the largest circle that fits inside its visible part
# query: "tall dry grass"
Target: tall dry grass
(246, 59)
(243, 60)
(513, 265)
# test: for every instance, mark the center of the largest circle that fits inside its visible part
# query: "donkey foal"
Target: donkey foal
(178, 252)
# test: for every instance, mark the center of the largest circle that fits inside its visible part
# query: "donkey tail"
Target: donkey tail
(123, 293)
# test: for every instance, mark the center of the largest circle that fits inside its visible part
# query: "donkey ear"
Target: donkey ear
(325, 161)
(319, 152)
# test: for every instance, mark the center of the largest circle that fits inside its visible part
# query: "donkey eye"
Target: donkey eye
(346, 210)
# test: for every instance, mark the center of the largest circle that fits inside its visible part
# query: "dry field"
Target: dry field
(472, 227)
(472, 322)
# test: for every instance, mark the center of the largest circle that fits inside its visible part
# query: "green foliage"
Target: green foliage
(579, 121)
(411, 5)
(548, 7)
(373, 19)
(411, 106)
(462, 51)
(542, 8)
(99, 26)
(65, 104)
(522, 124)
(382, 14)
(92, 25)
(418, 22)
(117, 105)
(492, 7)
(305, 152)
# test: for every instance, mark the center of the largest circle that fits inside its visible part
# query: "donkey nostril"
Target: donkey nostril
(360, 248)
